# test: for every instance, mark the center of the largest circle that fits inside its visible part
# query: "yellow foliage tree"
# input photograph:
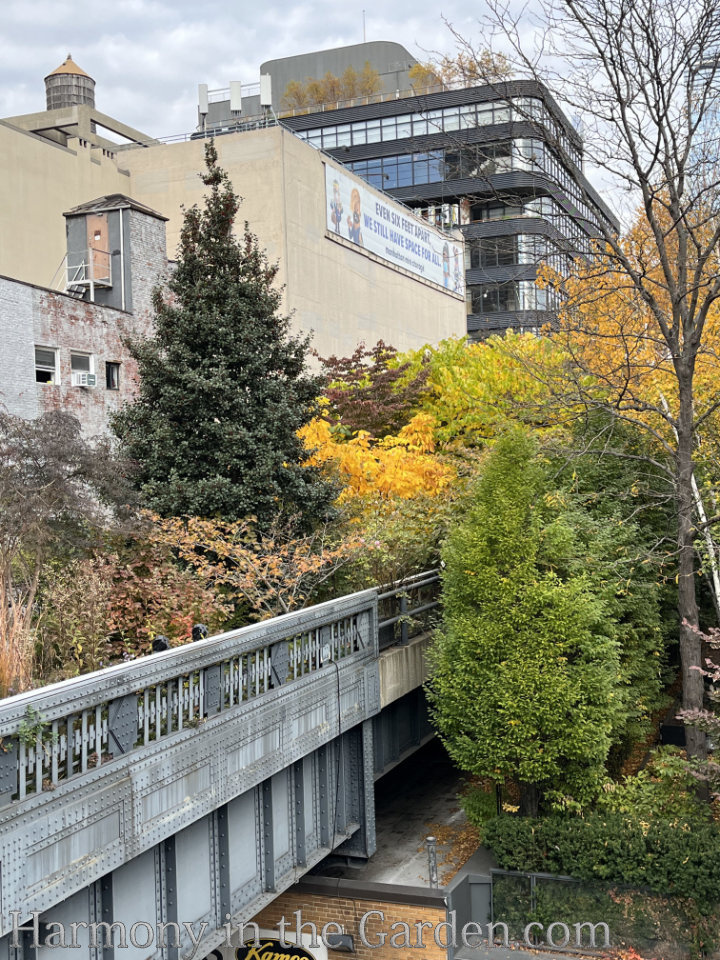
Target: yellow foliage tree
(620, 360)
(424, 78)
(400, 466)
(313, 92)
(644, 79)
(475, 390)
(641, 328)
(369, 82)
(295, 96)
(464, 69)
(348, 84)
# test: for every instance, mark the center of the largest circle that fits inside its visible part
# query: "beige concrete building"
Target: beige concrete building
(39, 181)
(342, 290)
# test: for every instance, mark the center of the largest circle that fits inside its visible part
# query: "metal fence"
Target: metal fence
(51, 734)
(408, 609)
(652, 924)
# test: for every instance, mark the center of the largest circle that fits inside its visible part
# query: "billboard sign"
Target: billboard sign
(364, 216)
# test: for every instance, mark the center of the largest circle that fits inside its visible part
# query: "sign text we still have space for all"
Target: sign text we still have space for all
(362, 215)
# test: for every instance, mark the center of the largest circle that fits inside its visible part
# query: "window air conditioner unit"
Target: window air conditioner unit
(84, 379)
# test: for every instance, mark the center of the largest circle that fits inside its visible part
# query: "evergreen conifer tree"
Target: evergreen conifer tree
(223, 385)
(526, 670)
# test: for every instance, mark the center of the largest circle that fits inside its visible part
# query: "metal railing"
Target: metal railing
(219, 94)
(405, 611)
(54, 733)
(271, 119)
(89, 268)
(363, 100)
(652, 923)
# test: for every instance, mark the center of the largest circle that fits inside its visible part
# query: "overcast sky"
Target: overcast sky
(148, 56)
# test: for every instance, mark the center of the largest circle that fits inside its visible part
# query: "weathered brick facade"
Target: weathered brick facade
(148, 260)
(345, 906)
(33, 317)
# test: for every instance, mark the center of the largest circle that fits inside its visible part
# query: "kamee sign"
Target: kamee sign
(362, 215)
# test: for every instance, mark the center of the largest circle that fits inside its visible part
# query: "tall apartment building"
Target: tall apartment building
(502, 162)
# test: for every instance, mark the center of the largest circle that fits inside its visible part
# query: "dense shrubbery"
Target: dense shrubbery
(680, 859)
(665, 789)
(638, 919)
(479, 804)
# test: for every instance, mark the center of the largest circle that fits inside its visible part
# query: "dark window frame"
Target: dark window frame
(112, 374)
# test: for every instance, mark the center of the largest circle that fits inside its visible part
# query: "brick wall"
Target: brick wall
(347, 908)
(71, 325)
(18, 394)
(34, 316)
(148, 260)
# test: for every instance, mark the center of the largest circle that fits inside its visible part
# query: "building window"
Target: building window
(404, 127)
(510, 297)
(496, 298)
(494, 252)
(46, 367)
(344, 135)
(80, 362)
(112, 375)
(374, 133)
(82, 369)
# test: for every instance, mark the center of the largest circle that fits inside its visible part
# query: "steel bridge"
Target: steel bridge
(193, 786)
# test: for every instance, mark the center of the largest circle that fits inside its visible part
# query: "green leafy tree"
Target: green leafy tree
(223, 385)
(623, 524)
(525, 670)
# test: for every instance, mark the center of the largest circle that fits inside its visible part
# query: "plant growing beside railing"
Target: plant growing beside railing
(32, 728)
(270, 573)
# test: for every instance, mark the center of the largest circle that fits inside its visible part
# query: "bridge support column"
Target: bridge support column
(266, 813)
(324, 754)
(361, 793)
(342, 761)
(221, 872)
(106, 910)
(298, 784)
(166, 888)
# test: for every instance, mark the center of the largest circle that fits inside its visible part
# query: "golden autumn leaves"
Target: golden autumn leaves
(401, 465)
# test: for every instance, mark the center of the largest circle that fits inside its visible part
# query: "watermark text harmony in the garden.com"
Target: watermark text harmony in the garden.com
(372, 931)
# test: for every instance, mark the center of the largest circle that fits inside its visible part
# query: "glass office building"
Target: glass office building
(502, 163)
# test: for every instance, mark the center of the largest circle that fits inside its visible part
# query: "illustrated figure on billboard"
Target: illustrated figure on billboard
(336, 207)
(446, 266)
(457, 272)
(353, 221)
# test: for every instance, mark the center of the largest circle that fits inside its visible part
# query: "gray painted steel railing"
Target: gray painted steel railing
(98, 770)
(403, 609)
(54, 733)
(259, 738)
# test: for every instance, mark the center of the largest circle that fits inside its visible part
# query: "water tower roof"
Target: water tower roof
(113, 201)
(69, 66)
